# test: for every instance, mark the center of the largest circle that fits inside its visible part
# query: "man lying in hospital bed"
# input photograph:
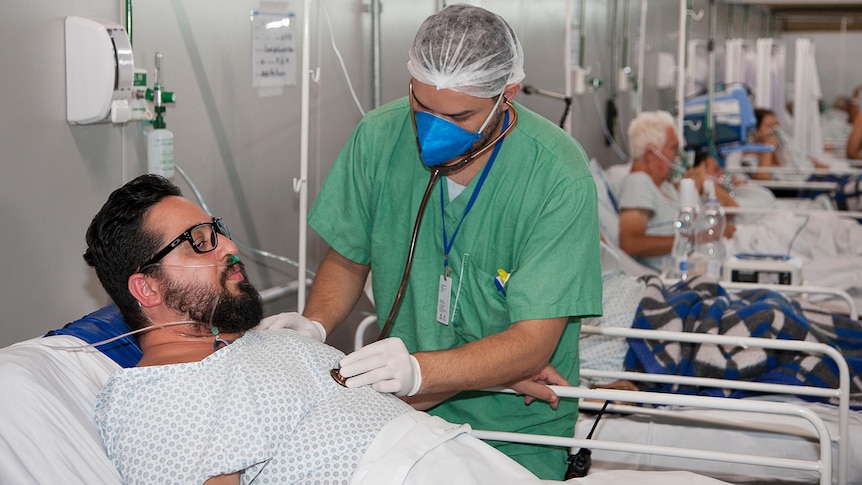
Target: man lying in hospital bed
(236, 404)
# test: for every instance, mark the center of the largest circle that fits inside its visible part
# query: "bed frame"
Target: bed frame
(823, 465)
(842, 393)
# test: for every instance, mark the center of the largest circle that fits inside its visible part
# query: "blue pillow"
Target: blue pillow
(103, 324)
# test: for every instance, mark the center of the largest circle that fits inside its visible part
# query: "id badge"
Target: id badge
(443, 293)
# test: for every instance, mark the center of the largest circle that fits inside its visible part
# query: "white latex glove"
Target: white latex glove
(296, 322)
(384, 364)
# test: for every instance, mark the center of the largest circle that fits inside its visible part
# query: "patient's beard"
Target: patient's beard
(233, 313)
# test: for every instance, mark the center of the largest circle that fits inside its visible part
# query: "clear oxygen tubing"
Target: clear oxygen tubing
(341, 60)
(94, 347)
(449, 166)
(236, 241)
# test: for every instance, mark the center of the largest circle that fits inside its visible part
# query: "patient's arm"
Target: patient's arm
(532, 388)
(854, 140)
(232, 479)
(633, 238)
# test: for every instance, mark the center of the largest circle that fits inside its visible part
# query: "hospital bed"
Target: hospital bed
(720, 430)
(695, 428)
(828, 247)
(602, 360)
(47, 428)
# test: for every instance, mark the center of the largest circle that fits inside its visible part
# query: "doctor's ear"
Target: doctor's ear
(510, 91)
(145, 290)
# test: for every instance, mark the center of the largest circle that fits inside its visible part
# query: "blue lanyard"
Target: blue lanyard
(447, 243)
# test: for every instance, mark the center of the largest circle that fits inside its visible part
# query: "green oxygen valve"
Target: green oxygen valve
(160, 141)
(167, 96)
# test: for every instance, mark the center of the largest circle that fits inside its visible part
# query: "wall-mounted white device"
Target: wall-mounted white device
(99, 71)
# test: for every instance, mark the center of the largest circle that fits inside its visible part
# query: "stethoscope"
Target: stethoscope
(444, 168)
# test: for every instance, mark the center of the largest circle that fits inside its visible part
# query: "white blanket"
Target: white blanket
(419, 449)
(48, 434)
(47, 431)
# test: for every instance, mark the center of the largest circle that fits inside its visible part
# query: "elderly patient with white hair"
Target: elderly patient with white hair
(648, 200)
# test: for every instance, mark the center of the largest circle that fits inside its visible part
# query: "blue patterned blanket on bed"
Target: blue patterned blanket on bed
(702, 306)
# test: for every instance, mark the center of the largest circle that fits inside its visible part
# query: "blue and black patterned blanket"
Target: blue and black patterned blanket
(702, 306)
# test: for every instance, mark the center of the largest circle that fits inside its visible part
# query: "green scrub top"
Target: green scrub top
(535, 217)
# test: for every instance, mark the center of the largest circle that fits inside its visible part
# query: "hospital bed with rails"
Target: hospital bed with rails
(607, 345)
(660, 428)
(824, 241)
(49, 385)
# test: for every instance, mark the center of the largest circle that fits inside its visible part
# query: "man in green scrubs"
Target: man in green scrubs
(506, 260)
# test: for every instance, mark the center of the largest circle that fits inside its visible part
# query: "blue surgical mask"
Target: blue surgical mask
(441, 140)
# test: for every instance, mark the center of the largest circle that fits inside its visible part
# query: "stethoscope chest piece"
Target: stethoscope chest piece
(336, 375)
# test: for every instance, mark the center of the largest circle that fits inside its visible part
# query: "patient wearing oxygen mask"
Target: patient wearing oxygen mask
(218, 398)
(649, 199)
(783, 153)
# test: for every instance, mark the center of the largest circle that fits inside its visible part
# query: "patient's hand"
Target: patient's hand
(729, 230)
(536, 386)
(622, 385)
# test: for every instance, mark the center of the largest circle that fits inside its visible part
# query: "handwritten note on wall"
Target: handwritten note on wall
(273, 51)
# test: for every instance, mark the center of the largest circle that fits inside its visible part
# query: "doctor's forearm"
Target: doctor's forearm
(521, 351)
(337, 287)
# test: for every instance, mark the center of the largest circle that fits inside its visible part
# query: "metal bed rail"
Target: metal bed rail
(821, 465)
(842, 393)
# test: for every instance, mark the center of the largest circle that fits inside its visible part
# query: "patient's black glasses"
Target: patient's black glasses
(202, 237)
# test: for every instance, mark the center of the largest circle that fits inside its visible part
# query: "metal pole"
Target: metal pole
(375, 51)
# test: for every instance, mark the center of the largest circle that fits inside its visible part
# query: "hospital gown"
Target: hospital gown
(638, 191)
(265, 404)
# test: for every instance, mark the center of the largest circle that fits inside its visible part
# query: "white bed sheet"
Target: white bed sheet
(795, 441)
(47, 431)
(48, 434)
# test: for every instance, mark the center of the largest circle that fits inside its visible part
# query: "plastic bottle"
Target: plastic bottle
(160, 141)
(685, 226)
(160, 151)
(711, 232)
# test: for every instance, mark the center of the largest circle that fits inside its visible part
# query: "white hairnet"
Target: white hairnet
(466, 49)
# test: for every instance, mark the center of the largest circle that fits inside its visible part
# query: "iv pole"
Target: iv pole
(301, 185)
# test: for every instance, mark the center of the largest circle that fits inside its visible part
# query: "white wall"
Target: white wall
(242, 149)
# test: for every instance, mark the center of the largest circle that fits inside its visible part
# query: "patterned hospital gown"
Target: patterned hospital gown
(264, 404)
